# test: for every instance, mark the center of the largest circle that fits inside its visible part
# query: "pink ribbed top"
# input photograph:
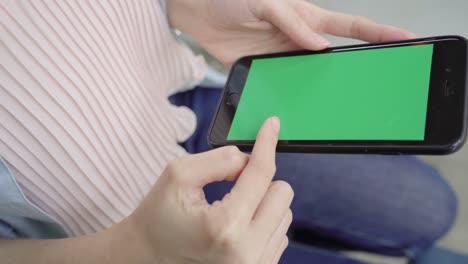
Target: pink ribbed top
(85, 124)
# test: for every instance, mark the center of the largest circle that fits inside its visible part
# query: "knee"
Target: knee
(421, 208)
(432, 211)
(395, 205)
(405, 205)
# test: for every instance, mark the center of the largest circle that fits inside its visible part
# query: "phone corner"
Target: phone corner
(456, 146)
(212, 143)
(239, 61)
(453, 36)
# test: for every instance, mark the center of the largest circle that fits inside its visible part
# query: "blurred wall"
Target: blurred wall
(423, 17)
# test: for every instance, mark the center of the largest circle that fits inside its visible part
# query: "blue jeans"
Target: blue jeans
(392, 205)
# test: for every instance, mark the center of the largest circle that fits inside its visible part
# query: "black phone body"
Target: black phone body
(405, 97)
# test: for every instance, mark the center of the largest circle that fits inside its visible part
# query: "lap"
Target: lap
(388, 204)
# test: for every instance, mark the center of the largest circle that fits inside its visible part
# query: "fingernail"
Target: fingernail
(323, 41)
(412, 35)
(275, 123)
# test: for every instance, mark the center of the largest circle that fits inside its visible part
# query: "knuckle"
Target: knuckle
(174, 170)
(172, 167)
(286, 242)
(285, 188)
(232, 154)
(289, 217)
(265, 7)
(222, 230)
(323, 19)
(361, 19)
(273, 168)
(356, 25)
(265, 167)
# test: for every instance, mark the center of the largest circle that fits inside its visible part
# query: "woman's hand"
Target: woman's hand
(231, 29)
(175, 224)
(248, 226)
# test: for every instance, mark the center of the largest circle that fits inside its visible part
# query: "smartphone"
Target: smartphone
(406, 97)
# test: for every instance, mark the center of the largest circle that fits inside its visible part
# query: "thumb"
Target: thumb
(220, 164)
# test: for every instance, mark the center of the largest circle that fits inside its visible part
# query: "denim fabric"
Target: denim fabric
(18, 217)
(297, 253)
(393, 205)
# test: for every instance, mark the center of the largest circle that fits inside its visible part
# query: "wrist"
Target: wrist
(118, 244)
(125, 244)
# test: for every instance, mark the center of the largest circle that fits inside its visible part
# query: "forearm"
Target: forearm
(118, 244)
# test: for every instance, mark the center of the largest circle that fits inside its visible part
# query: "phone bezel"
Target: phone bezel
(446, 115)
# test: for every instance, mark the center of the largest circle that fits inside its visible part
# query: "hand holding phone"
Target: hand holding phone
(405, 97)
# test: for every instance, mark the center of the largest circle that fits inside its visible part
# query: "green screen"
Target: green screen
(377, 94)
